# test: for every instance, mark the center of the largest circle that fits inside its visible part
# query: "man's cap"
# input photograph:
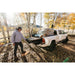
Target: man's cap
(19, 28)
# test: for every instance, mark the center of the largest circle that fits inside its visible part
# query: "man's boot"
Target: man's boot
(15, 58)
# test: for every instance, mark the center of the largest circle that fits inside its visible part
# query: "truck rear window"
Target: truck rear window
(62, 32)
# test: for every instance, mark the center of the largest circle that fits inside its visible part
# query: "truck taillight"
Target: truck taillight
(43, 40)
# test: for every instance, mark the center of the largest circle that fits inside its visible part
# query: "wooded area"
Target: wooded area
(28, 22)
(64, 21)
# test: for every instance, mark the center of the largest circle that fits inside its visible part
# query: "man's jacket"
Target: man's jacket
(17, 37)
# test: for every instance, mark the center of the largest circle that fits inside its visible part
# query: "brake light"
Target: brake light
(43, 40)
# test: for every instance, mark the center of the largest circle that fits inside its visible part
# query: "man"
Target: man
(16, 40)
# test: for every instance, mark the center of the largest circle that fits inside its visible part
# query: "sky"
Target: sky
(11, 19)
(38, 20)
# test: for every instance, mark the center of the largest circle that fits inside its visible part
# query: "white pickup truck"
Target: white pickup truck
(49, 40)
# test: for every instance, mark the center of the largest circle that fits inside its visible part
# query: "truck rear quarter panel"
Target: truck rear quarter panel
(48, 40)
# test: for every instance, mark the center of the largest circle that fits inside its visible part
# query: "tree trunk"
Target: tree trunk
(40, 20)
(6, 27)
(22, 20)
(34, 23)
(7, 31)
(28, 22)
(34, 20)
(48, 23)
(3, 32)
(55, 16)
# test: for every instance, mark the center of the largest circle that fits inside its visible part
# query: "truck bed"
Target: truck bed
(35, 40)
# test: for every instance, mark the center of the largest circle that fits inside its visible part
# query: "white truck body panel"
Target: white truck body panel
(57, 38)
(48, 40)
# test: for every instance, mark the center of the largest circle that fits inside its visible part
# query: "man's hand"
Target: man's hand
(27, 40)
(13, 44)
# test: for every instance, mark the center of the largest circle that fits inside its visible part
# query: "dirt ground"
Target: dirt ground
(63, 51)
(39, 54)
(66, 50)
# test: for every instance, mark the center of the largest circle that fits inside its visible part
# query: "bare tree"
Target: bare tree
(28, 22)
(23, 20)
(40, 20)
(34, 22)
(54, 19)
(3, 32)
(5, 21)
(34, 19)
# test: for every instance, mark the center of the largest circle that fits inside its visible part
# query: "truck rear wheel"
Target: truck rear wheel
(66, 40)
(52, 45)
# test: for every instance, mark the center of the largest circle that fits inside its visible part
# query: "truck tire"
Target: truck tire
(52, 45)
(66, 40)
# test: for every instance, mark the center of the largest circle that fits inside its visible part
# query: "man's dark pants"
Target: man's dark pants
(16, 46)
